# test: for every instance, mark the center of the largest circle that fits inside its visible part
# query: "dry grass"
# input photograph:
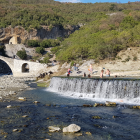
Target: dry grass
(61, 72)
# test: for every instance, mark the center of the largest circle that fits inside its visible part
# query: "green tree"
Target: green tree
(39, 50)
(22, 54)
(33, 43)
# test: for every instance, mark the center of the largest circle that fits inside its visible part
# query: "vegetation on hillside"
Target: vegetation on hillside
(34, 13)
(43, 43)
(106, 28)
(102, 38)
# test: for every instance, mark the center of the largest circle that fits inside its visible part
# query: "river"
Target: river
(55, 109)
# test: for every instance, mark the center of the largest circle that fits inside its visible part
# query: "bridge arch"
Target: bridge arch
(9, 63)
(25, 68)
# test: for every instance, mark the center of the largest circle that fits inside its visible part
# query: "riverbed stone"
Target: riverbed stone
(22, 98)
(72, 128)
(24, 116)
(96, 117)
(78, 134)
(9, 106)
(85, 105)
(53, 129)
(88, 133)
(107, 103)
(96, 104)
(14, 130)
(35, 102)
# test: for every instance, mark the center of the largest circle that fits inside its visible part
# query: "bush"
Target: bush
(55, 49)
(45, 43)
(46, 60)
(33, 43)
(40, 50)
(22, 54)
(127, 59)
(135, 58)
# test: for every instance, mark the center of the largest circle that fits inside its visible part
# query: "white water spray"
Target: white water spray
(113, 90)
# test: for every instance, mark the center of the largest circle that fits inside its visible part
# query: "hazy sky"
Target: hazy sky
(93, 1)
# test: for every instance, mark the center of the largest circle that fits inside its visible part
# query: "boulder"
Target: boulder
(71, 128)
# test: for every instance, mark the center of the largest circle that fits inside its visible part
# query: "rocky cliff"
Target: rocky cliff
(44, 33)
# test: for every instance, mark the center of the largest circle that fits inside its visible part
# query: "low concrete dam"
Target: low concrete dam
(119, 90)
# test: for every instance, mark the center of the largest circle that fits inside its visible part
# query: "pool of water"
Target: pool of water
(61, 111)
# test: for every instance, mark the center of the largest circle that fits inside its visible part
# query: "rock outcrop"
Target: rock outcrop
(20, 34)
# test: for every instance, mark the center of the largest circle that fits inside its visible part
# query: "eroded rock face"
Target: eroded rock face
(44, 33)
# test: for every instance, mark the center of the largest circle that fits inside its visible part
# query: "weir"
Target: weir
(121, 90)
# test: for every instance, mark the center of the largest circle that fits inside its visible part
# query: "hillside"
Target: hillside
(102, 38)
(105, 28)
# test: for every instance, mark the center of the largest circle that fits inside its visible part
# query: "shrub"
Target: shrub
(22, 54)
(118, 57)
(60, 39)
(46, 60)
(40, 50)
(55, 49)
(127, 59)
(45, 43)
(135, 58)
(33, 43)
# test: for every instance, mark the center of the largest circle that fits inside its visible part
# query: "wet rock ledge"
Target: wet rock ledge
(9, 84)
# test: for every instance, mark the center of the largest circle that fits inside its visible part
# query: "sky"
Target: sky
(94, 1)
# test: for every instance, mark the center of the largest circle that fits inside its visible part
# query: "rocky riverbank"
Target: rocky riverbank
(10, 85)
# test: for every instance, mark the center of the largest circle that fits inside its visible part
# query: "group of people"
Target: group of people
(107, 73)
(84, 75)
(90, 69)
(74, 67)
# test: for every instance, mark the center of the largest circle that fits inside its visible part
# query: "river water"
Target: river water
(56, 109)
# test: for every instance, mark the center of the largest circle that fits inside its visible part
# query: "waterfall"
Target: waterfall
(123, 90)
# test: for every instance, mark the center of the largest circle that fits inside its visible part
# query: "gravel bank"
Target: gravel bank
(9, 84)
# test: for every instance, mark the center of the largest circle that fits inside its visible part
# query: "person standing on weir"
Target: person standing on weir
(90, 69)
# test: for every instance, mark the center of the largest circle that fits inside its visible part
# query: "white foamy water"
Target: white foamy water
(123, 91)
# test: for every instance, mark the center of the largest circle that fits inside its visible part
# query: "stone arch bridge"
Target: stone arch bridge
(23, 68)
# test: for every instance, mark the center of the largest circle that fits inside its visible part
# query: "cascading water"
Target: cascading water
(119, 90)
